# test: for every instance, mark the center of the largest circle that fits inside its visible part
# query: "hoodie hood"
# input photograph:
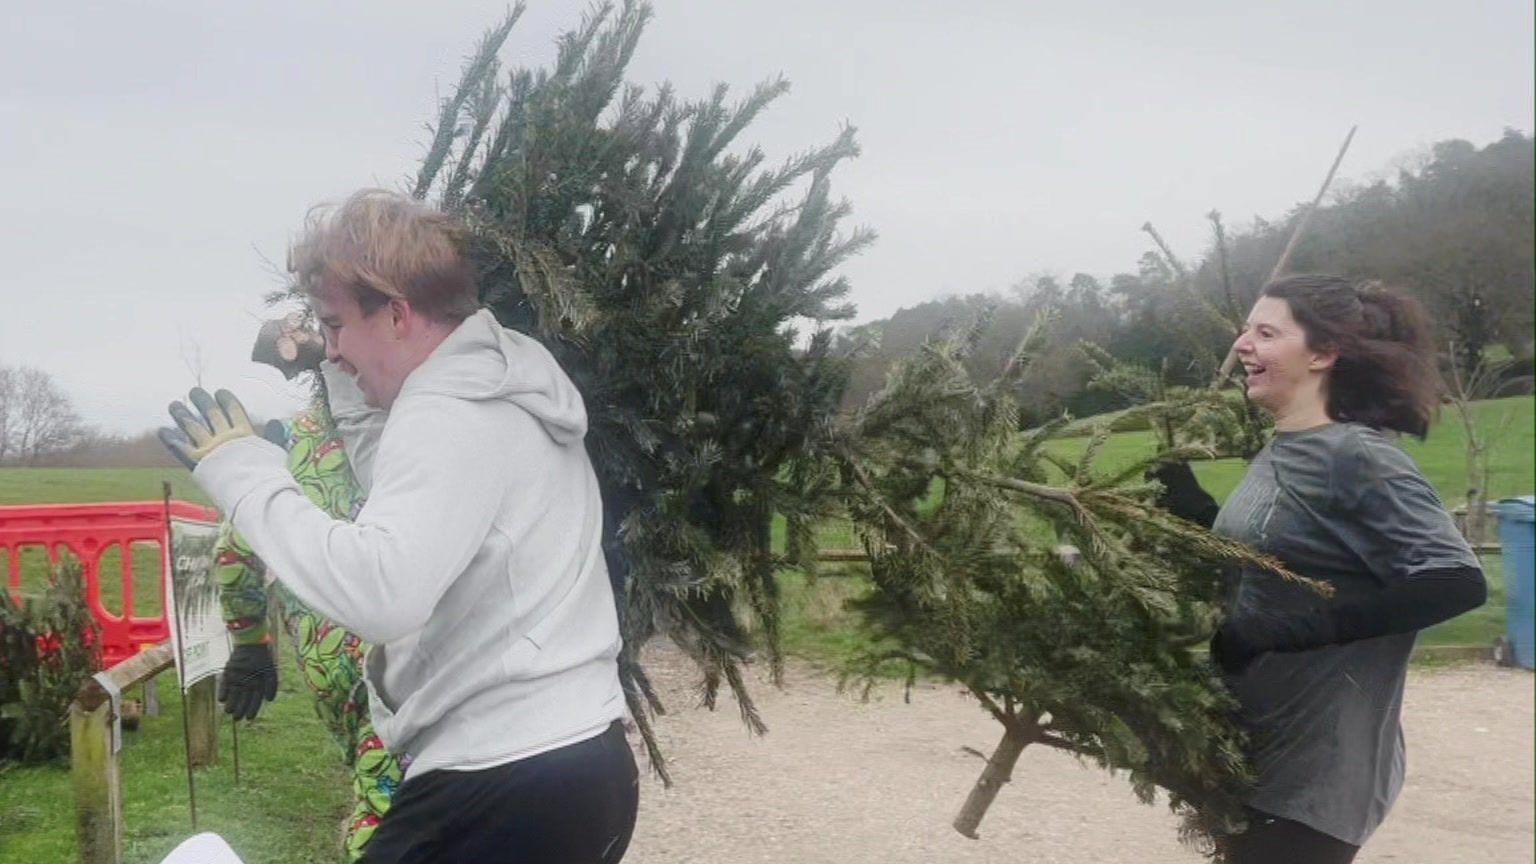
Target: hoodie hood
(484, 361)
(358, 424)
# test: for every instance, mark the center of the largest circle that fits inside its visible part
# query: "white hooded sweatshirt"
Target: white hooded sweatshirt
(359, 426)
(475, 567)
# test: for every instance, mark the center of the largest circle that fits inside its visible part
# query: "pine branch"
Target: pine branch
(1060, 743)
(1101, 643)
(1007, 718)
(480, 64)
(868, 485)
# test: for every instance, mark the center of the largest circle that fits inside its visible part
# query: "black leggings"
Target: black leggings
(1272, 840)
(575, 804)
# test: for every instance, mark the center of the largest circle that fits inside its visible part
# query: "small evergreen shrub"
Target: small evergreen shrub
(49, 645)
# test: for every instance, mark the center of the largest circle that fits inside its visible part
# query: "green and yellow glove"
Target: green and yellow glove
(223, 419)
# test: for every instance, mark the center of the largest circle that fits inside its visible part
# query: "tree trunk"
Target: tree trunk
(1477, 480)
(1477, 516)
(999, 770)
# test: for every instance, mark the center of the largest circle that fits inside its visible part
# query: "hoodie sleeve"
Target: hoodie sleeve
(444, 468)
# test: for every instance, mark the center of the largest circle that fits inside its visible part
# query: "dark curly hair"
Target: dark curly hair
(1385, 375)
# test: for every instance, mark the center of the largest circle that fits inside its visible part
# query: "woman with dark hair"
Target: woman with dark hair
(1341, 367)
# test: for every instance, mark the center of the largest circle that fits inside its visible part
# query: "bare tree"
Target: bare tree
(1482, 380)
(192, 357)
(38, 416)
(7, 403)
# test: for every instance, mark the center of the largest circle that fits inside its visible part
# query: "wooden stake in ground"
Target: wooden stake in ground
(152, 697)
(93, 755)
(186, 707)
(234, 733)
(1290, 246)
(94, 773)
(202, 713)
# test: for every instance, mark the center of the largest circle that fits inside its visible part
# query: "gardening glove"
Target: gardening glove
(1182, 495)
(249, 678)
(223, 420)
(288, 346)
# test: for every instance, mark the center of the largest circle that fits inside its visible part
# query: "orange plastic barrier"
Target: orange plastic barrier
(90, 531)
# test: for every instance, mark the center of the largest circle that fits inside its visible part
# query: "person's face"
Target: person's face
(1284, 375)
(365, 345)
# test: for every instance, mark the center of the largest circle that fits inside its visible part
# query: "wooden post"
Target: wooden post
(94, 769)
(846, 555)
(234, 735)
(202, 723)
(98, 786)
(152, 697)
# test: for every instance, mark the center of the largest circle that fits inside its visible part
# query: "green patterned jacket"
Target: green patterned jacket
(319, 464)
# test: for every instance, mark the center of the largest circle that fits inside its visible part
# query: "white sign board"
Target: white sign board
(198, 634)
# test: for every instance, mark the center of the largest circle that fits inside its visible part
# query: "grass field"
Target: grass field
(288, 809)
(295, 791)
(76, 485)
(73, 486)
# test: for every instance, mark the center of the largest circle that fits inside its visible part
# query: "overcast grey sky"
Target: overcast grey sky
(158, 152)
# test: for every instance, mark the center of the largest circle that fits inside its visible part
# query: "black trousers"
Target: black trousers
(1272, 840)
(574, 805)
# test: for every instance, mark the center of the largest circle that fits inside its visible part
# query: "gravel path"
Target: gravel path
(837, 780)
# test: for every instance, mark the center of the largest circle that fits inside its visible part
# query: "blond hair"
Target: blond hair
(382, 245)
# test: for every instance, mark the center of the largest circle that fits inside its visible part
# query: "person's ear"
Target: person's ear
(1323, 360)
(400, 315)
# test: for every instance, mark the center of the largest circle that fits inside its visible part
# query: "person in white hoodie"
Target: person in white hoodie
(475, 568)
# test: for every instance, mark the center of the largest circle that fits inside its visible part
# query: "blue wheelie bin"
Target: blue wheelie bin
(1517, 537)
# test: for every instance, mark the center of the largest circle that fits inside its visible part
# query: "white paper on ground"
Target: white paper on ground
(205, 848)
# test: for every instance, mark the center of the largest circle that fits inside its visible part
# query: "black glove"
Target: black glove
(250, 677)
(1242, 638)
(1182, 495)
(1231, 650)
